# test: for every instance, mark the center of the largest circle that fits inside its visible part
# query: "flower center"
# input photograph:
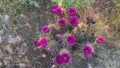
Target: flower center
(43, 42)
(62, 22)
(71, 11)
(59, 59)
(70, 39)
(86, 51)
(65, 58)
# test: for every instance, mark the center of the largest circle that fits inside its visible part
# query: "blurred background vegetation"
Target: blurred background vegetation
(75, 3)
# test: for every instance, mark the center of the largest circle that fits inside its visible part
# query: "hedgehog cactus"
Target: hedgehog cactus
(67, 38)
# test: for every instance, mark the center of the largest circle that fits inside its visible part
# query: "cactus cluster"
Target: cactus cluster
(67, 37)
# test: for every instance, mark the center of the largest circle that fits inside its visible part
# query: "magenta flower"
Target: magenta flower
(45, 29)
(74, 21)
(66, 57)
(99, 39)
(42, 42)
(71, 11)
(88, 17)
(48, 49)
(36, 43)
(62, 22)
(71, 40)
(87, 50)
(54, 7)
(59, 36)
(58, 59)
(58, 11)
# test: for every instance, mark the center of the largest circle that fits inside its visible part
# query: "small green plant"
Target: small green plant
(76, 3)
(117, 4)
(30, 3)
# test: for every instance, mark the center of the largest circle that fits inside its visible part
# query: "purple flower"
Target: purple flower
(87, 50)
(71, 11)
(45, 29)
(59, 36)
(62, 22)
(36, 43)
(59, 59)
(48, 49)
(88, 17)
(71, 40)
(58, 11)
(66, 57)
(42, 42)
(99, 39)
(54, 7)
(74, 21)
